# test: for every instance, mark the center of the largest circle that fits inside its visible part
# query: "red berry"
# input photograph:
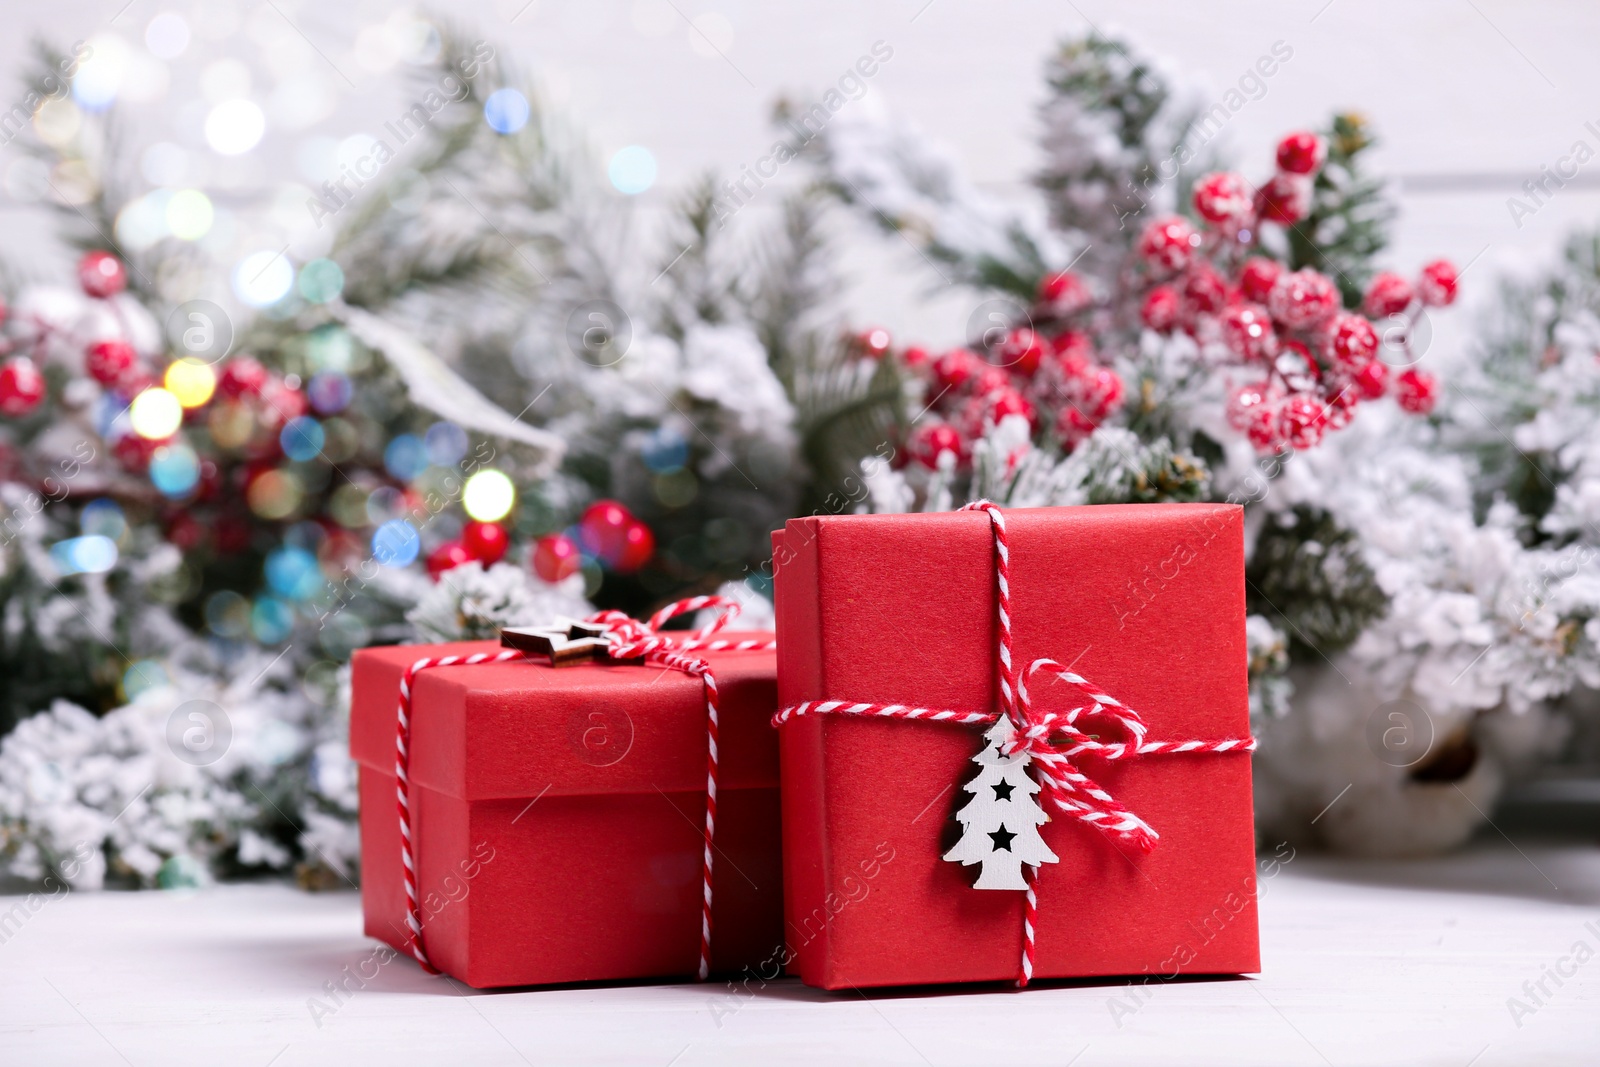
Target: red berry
(603, 529)
(1304, 421)
(1166, 245)
(1244, 402)
(1064, 293)
(952, 369)
(1286, 199)
(134, 452)
(283, 404)
(1264, 427)
(186, 532)
(1247, 330)
(1301, 153)
(447, 556)
(1204, 291)
(102, 274)
(931, 440)
(242, 376)
(556, 557)
(1341, 406)
(486, 542)
(1389, 294)
(1005, 403)
(1349, 341)
(1437, 285)
(1102, 392)
(874, 342)
(233, 534)
(21, 386)
(1416, 391)
(1372, 379)
(638, 545)
(1224, 199)
(1296, 365)
(1257, 278)
(1160, 311)
(1022, 351)
(1303, 299)
(915, 356)
(108, 361)
(1073, 426)
(1070, 343)
(989, 380)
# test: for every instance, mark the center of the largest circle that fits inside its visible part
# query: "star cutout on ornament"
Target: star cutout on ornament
(565, 641)
(1002, 839)
(1002, 790)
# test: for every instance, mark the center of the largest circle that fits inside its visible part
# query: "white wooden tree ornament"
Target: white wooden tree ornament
(1000, 824)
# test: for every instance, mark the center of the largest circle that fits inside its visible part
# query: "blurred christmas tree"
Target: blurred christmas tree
(204, 505)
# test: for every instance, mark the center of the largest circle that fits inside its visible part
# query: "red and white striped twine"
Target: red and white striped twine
(629, 639)
(1051, 740)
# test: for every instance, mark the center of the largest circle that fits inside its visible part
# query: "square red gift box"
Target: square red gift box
(891, 643)
(557, 814)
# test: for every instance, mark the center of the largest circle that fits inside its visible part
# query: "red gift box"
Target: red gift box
(557, 815)
(1147, 603)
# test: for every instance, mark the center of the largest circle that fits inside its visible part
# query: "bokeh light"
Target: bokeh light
(263, 278)
(488, 496)
(231, 424)
(155, 414)
(234, 127)
(167, 35)
(396, 543)
(330, 392)
(348, 506)
(447, 444)
(321, 280)
(632, 170)
(506, 111)
(142, 676)
(190, 380)
(99, 76)
(103, 517)
(330, 348)
(189, 214)
(405, 457)
(271, 620)
(293, 573)
(227, 614)
(385, 503)
(302, 439)
(91, 554)
(274, 494)
(665, 450)
(175, 470)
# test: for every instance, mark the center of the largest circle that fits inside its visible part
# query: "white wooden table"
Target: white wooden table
(1365, 964)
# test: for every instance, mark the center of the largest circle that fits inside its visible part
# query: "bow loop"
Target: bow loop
(630, 638)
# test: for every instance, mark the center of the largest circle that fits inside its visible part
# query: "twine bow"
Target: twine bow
(627, 639)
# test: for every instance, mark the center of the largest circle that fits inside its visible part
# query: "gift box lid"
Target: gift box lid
(904, 607)
(521, 729)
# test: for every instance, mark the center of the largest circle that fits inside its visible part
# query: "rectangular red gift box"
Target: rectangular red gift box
(558, 815)
(1147, 603)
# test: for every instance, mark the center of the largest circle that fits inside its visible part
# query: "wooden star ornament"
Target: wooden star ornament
(565, 641)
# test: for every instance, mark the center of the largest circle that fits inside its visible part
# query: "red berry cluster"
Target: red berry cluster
(1047, 375)
(607, 532)
(22, 385)
(1309, 361)
(1052, 380)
